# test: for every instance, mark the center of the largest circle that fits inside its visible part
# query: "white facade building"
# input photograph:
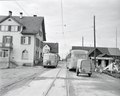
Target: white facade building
(21, 39)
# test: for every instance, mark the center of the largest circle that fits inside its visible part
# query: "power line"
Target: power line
(7, 0)
(21, 7)
(62, 16)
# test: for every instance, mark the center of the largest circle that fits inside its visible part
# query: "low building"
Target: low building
(104, 56)
(50, 48)
(21, 39)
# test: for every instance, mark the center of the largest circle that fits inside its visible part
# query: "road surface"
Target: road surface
(61, 82)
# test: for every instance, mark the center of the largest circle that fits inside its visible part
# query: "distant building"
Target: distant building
(104, 56)
(21, 39)
(50, 48)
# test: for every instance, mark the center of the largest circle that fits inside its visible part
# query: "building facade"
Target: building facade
(51, 48)
(21, 39)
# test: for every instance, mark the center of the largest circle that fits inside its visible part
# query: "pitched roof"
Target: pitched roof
(104, 50)
(103, 55)
(114, 51)
(32, 25)
(54, 47)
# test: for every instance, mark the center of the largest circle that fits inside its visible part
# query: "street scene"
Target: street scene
(61, 82)
(60, 48)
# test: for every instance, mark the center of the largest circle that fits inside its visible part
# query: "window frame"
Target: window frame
(25, 55)
(10, 28)
(7, 38)
(25, 40)
(4, 53)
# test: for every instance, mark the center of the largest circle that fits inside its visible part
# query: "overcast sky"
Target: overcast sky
(77, 18)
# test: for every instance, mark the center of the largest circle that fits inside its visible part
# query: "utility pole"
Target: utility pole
(94, 43)
(82, 41)
(116, 37)
(116, 41)
(62, 17)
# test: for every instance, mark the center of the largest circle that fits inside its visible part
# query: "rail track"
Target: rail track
(20, 82)
(52, 84)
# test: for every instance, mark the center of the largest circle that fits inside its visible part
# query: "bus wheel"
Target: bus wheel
(89, 74)
(77, 72)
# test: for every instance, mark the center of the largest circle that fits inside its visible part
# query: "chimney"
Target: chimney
(34, 15)
(21, 15)
(10, 13)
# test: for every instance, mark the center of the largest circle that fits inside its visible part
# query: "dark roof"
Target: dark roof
(54, 47)
(104, 50)
(32, 25)
(103, 55)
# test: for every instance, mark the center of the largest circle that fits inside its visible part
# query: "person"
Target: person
(100, 69)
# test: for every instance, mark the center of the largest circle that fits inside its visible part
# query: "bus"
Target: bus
(50, 60)
(74, 56)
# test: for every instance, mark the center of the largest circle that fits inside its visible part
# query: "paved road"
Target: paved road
(97, 85)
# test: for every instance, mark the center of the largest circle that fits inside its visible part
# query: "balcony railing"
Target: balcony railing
(6, 45)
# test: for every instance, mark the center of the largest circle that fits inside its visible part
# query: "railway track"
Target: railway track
(53, 82)
(20, 82)
(67, 84)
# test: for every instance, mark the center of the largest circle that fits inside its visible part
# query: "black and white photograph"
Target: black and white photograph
(59, 47)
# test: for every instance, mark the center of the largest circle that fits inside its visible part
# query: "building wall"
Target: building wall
(37, 48)
(46, 49)
(16, 53)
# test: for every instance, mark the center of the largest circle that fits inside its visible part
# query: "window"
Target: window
(11, 28)
(14, 28)
(25, 40)
(7, 39)
(4, 28)
(4, 53)
(24, 54)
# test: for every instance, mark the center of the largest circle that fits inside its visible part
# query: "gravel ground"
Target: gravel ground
(9, 76)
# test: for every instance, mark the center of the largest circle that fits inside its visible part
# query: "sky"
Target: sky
(77, 20)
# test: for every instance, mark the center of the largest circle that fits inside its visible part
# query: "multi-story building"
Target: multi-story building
(21, 39)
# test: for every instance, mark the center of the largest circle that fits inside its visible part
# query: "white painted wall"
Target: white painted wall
(46, 49)
(17, 47)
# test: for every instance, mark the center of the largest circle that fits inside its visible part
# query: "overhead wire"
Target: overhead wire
(21, 7)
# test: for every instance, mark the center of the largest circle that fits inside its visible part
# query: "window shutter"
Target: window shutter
(29, 40)
(3, 39)
(21, 40)
(9, 28)
(11, 39)
(19, 27)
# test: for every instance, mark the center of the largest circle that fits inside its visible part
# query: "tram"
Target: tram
(50, 60)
